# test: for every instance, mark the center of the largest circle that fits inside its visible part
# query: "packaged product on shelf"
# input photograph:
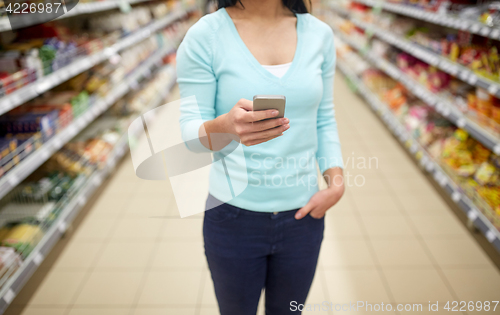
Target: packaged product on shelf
(7, 146)
(19, 209)
(70, 162)
(24, 236)
(19, 122)
(38, 51)
(9, 260)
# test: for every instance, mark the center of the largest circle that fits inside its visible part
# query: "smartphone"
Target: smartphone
(265, 102)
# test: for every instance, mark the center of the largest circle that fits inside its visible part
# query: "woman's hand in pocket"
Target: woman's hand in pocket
(253, 127)
(324, 199)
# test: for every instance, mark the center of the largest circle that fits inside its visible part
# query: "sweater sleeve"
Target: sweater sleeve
(197, 83)
(329, 154)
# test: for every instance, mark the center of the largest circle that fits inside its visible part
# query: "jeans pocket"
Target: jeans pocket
(317, 219)
(221, 214)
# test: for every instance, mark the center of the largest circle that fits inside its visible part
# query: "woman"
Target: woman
(269, 235)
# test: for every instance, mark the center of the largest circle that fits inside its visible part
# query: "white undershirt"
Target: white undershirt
(278, 70)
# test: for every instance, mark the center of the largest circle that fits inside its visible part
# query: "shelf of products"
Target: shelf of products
(484, 126)
(24, 151)
(427, 55)
(76, 132)
(40, 155)
(50, 199)
(20, 86)
(444, 18)
(460, 165)
(84, 8)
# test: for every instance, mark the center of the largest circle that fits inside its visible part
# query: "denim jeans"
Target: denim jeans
(248, 251)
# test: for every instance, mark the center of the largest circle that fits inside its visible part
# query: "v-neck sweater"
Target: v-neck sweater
(215, 66)
(278, 70)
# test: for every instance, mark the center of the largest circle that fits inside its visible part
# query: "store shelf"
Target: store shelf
(424, 54)
(82, 64)
(444, 107)
(59, 226)
(98, 6)
(82, 8)
(425, 160)
(38, 157)
(443, 19)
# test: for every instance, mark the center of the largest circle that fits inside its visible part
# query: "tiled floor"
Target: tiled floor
(393, 240)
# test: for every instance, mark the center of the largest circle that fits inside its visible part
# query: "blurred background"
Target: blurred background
(417, 98)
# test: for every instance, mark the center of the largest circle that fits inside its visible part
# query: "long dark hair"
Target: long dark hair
(296, 6)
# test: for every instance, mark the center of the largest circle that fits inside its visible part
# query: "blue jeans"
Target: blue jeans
(248, 251)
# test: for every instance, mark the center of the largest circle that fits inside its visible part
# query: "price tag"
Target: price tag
(493, 89)
(423, 159)
(496, 149)
(134, 85)
(97, 181)
(43, 86)
(82, 201)
(454, 69)
(80, 123)
(484, 31)
(38, 258)
(490, 235)
(121, 151)
(62, 227)
(18, 99)
(464, 75)
(108, 52)
(13, 180)
(430, 166)
(124, 6)
(446, 111)
(9, 296)
(495, 33)
(95, 111)
(111, 163)
(474, 28)
(472, 79)
(72, 131)
(439, 107)
(472, 215)
(443, 181)
(437, 176)
(57, 143)
(456, 196)
(448, 21)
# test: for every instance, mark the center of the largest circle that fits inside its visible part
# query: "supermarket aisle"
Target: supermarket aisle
(391, 240)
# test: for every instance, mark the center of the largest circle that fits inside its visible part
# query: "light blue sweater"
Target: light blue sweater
(215, 66)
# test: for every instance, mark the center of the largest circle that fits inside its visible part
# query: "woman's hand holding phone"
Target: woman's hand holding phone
(254, 127)
(250, 127)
